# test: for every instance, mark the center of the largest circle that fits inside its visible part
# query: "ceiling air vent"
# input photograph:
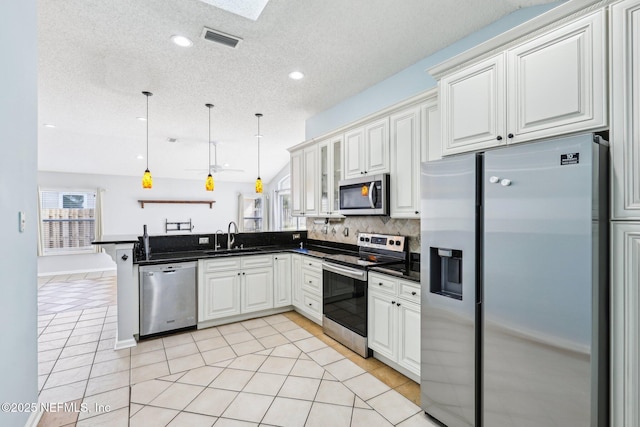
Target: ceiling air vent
(220, 37)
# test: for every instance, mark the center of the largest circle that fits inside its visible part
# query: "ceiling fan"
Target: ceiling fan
(214, 167)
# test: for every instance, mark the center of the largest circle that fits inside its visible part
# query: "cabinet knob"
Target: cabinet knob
(238, 274)
(310, 304)
(243, 273)
(125, 257)
(393, 302)
(417, 212)
(310, 264)
(510, 135)
(398, 304)
(380, 284)
(499, 138)
(276, 257)
(413, 293)
(361, 173)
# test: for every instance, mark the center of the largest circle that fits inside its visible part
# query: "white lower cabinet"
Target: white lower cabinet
(234, 285)
(282, 280)
(394, 321)
(625, 324)
(307, 286)
(219, 295)
(256, 289)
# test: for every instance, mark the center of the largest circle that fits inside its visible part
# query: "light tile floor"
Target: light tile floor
(278, 370)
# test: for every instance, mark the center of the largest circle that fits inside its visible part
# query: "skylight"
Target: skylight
(250, 9)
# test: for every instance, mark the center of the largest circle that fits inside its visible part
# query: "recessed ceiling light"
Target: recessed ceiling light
(49, 125)
(142, 119)
(296, 75)
(181, 41)
(140, 157)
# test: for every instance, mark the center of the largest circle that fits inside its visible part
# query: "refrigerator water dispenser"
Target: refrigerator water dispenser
(446, 272)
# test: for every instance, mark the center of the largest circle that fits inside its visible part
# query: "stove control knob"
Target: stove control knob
(391, 242)
(366, 239)
(362, 239)
(397, 242)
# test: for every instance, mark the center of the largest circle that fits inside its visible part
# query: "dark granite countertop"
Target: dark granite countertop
(184, 256)
(413, 276)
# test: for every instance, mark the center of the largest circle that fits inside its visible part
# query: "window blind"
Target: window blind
(68, 221)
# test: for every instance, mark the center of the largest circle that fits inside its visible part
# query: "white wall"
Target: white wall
(18, 282)
(412, 80)
(122, 212)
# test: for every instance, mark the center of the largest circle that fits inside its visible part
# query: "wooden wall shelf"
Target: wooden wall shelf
(201, 202)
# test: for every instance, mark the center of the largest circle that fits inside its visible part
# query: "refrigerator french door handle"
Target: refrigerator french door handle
(372, 189)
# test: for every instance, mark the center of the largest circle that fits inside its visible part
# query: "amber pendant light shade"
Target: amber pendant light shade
(258, 136)
(147, 180)
(209, 185)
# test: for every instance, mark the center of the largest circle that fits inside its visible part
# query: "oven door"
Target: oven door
(344, 298)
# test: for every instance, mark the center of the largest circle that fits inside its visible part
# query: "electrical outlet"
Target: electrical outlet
(203, 240)
(296, 236)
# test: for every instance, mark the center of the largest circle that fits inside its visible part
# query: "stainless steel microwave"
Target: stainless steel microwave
(368, 195)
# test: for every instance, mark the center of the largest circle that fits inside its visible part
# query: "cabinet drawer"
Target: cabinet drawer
(409, 291)
(383, 284)
(312, 303)
(312, 264)
(226, 263)
(312, 282)
(257, 261)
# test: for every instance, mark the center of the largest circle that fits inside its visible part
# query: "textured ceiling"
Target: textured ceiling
(96, 57)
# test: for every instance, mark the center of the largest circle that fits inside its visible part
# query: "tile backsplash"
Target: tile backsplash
(334, 230)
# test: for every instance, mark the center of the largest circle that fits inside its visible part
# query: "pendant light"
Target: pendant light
(209, 185)
(258, 136)
(147, 180)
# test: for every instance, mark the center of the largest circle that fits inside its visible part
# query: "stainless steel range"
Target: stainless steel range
(344, 282)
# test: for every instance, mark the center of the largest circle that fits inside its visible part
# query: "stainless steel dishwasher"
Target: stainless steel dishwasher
(167, 297)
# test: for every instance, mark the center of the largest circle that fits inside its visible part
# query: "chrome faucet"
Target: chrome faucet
(231, 238)
(216, 246)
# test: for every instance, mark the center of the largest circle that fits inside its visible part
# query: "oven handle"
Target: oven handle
(345, 271)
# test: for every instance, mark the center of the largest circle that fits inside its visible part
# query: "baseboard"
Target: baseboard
(34, 419)
(128, 343)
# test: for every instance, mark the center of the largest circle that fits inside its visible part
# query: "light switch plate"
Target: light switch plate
(203, 240)
(23, 221)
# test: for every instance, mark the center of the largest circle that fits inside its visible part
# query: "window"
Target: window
(283, 219)
(68, 221)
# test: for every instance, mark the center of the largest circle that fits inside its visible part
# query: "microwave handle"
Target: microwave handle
(372, 188)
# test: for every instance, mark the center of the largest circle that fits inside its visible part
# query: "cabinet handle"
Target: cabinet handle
(499, 138)
(510, 135)
(413, 293)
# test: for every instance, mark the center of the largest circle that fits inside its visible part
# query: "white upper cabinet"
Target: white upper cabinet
(625, 106)
(550, 85)
(557, 81)
(405, 163)
(472, 107)
(304, 181)
(330, 169)
(297, 182)
(366, 149)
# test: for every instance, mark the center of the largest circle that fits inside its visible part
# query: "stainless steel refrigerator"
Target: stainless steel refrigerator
(515, 286)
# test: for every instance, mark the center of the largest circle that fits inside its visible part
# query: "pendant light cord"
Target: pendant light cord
(147, 130)
(258, 136)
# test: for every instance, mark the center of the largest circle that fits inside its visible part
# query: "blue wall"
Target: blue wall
(411, 80)
(18, 192)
